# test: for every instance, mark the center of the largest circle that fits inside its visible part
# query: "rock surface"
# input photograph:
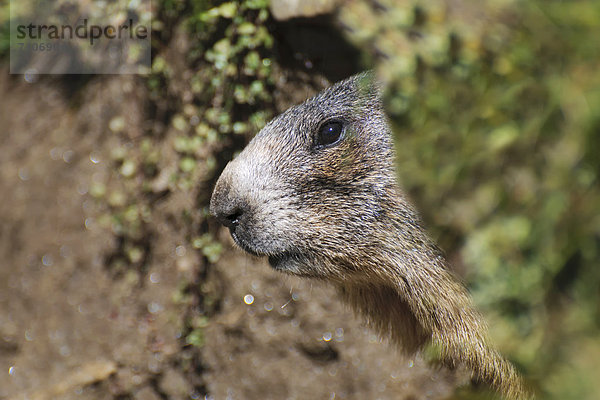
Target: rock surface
(286, 9)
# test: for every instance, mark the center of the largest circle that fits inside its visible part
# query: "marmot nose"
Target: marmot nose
(225, 206)
(230, 218)
(228, 203)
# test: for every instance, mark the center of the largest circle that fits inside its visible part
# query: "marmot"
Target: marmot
(316, 192)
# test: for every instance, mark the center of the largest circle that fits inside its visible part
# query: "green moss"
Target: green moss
(195, 338)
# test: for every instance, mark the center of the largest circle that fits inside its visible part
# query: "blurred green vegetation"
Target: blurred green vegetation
(205, 107)
(4, 29)
(498, 132)
(231, 75)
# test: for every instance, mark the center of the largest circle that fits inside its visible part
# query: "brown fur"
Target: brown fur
(337, 213)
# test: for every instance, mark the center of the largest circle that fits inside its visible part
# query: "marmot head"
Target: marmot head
(315, 192)
(312, 191)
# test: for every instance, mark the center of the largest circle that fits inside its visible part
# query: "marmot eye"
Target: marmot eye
(329, 133)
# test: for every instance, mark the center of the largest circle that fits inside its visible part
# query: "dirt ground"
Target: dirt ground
(70, 328)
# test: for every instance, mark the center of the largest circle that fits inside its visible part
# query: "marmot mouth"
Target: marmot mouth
(243, 245)
(275, 260)
(278, 261)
